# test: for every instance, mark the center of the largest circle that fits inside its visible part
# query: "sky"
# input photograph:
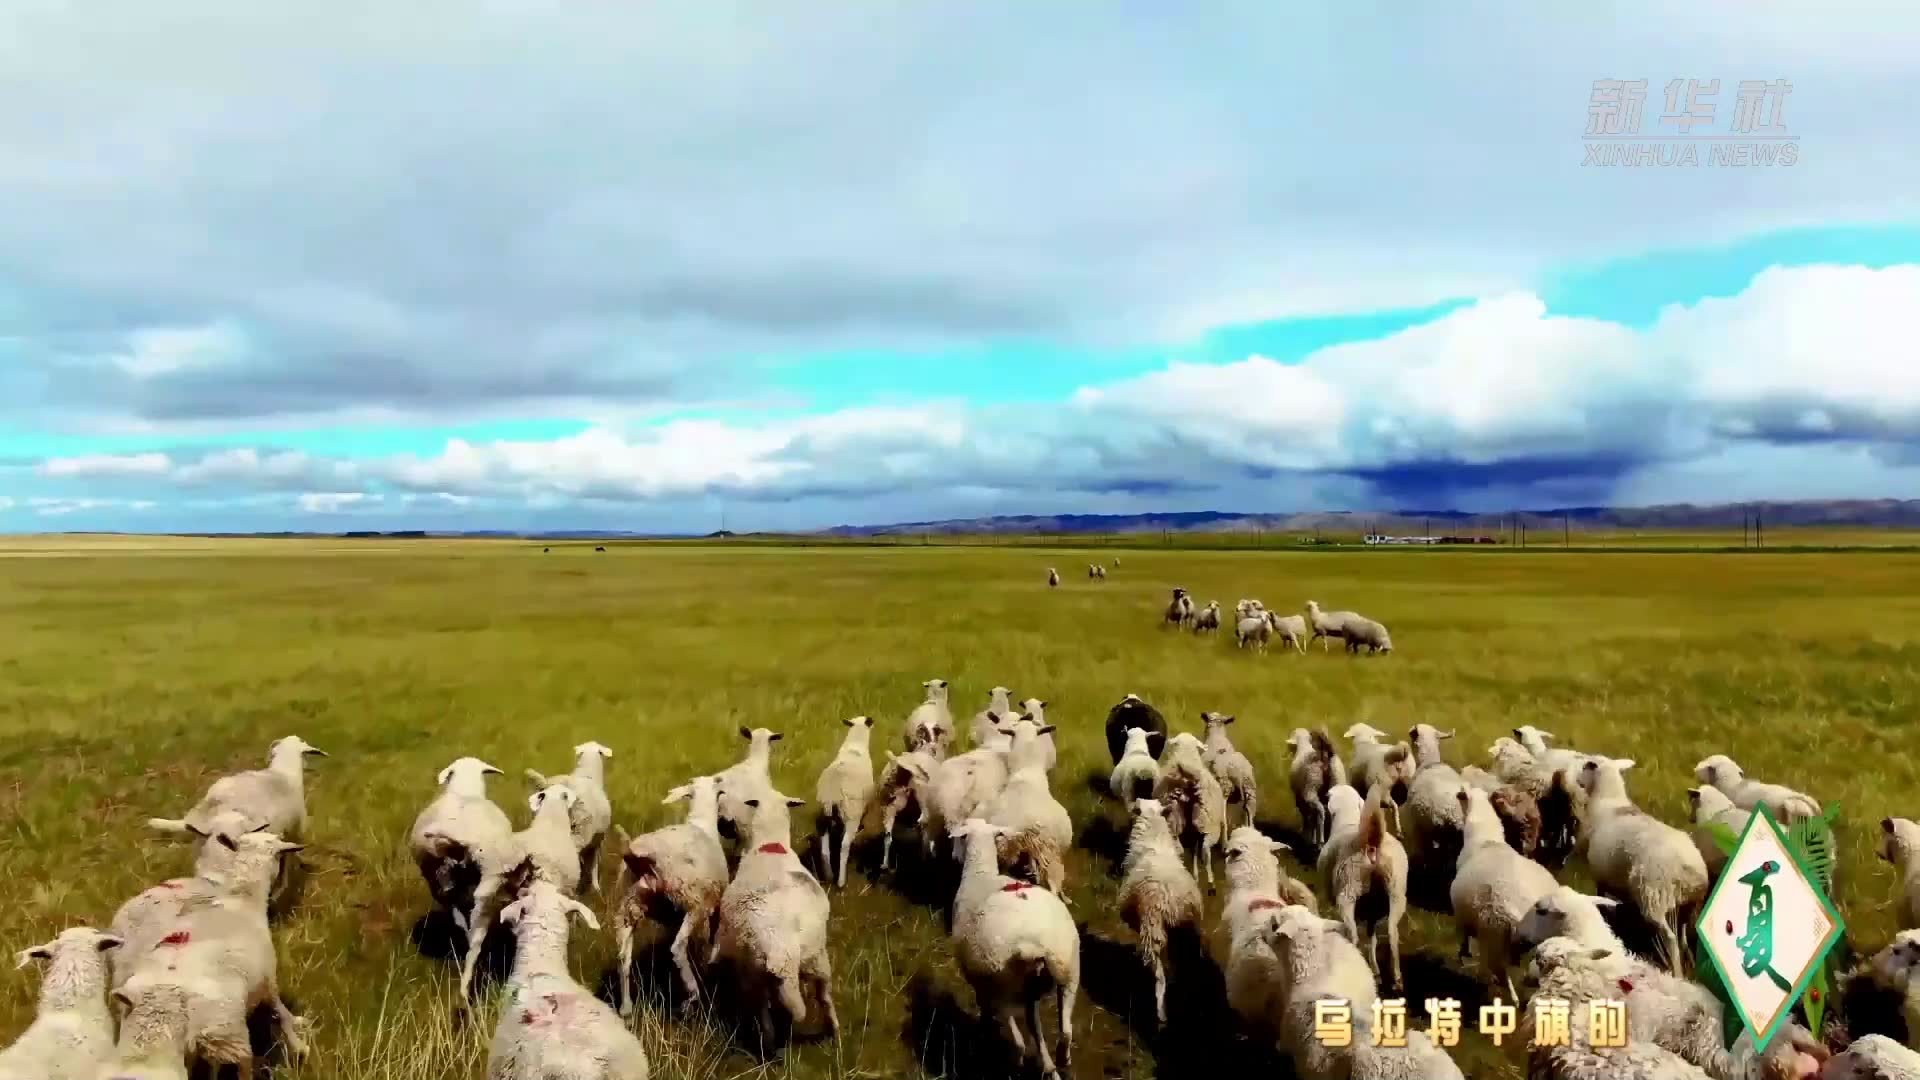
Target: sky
(517, 265)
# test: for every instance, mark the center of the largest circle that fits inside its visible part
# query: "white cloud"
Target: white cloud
(107, 465)
(1499, 399)
(332, 502)
(273, 238)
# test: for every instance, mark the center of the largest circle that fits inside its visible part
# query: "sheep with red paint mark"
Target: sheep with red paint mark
(771, 931)
(551, 1027)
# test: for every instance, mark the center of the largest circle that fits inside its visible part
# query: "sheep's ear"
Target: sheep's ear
(754, 803)
(1043, 704)
(1623, 764)
(1048, 730)
(684, 791)
(26, 957)
(847, 723)
(534, 800)
(745, 732)
(775, 737)
(445, 775)
(109, 941)
(583, 913)
(510, 914)
(226, 841)
(1446, 734)
(1275, 845)
(1605, 901)
(956, 832)
(796, 802)
(1226, 719)
(890, 758)
(1886, 824)
(123, 999)
(1599, 954)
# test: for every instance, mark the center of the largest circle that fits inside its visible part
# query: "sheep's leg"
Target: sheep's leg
(1206, 856)
(1394, 913)
(293, 1029)
(1011, 1017)
(792, 1000)
(1040, 1039)
(479, 921)
(886, 844)
(846, 845)
(1669, 940)
(1064, 994)
(590, 865)
(623, 988)
(1157, 962)
(682, 950)
(820, 974)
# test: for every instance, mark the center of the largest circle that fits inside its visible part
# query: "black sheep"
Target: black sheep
(1131, 712)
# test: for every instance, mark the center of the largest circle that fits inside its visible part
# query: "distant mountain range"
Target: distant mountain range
(1857, 512)
(1864, 513)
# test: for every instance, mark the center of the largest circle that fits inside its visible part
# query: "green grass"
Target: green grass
(131, 678)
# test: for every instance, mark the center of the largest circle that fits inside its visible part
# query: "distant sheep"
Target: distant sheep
(1361, 632)
(1208, 619)
(1179, 610)
(1096, 572)
(1290, 629)
(1053, 578)
(1327, 625)
(1254, 630)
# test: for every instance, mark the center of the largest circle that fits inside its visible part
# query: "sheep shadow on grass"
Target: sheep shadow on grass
(437, 937)
(1105, 841)
(951, 1040)
(1199, 1038)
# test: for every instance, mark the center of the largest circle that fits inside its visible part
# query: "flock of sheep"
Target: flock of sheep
(184, 963)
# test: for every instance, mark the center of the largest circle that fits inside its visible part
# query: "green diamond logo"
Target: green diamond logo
(1766, 927)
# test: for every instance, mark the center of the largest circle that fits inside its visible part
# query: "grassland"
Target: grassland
(131, 678)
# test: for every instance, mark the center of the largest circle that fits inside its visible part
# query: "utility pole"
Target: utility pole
(1566, 530)
(1759, 529)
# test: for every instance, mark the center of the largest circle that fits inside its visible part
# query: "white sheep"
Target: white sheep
(1680, 1017)
(276, 795)
(464, 846)
(1494, 887)
(1157, 894)
(681, 865)
(1568, 913)
(959, 788)
(843, 794)
(1318, 962)
(1196, 805)
(901, 781)
(1635, 854)
(1376, 764)
(1328, 626)
(548, 838)
(591, 813)
(1434, 822)
(1208, 618)
(1550, 759)
(1290, 629)
(995, 719)
(1230, 766)
(143, 920)
(220, 953)
(1873, 1057)
(1096, 572)
(747, 777)
(1137, 773)
(153, 1031)
(1254, 630)
(1565, 970)
(1708, 806)
(1037, 828)
(772, 922)
(1900, 846)
(1786, 804)
(1036, 710)
(1256, 889)
(1362, 632)
(1014, 942)
(1053, 577)
(1316, 769)
(1363, 863)
(552, 1028)
(931, 714)
(72, 1032)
